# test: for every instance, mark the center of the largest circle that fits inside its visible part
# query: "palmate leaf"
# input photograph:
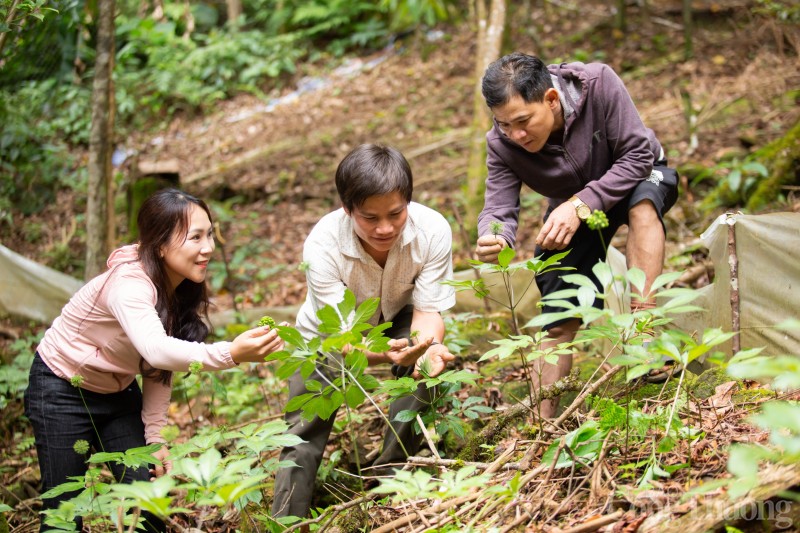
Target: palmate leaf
(368, 382)
(356, 362)
(539, 266)
(508, 347)
(375, 340)
(478, 286)
(299, 402)
(152, 496)
(354, 396)
(291, 336)
(330, 321)
(79, 483)
(396, 388)
(365, 310)
(585, 443)
(132, 458)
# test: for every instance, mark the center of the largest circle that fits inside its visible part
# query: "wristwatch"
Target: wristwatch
(583, 211)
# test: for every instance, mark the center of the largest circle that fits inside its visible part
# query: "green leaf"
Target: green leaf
(585, 443)
(743, 460)
(356, 361)
(735, 179)
(354, 396)
(637, 279)
(602, 271)
(505, 257)
(291, 336)
(580, 280)
(287, 369)
(586, 296)
(298, 402)
(405, 416)
(368, 382)
(665, 279)
(756, 168)
(366, 310)
(330, 322)
(507, 347)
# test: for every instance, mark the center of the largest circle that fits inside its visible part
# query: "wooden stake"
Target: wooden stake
(733, 264)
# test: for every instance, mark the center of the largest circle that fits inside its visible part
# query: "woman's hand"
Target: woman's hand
(255, 344)
(434, 361)
(164, 467)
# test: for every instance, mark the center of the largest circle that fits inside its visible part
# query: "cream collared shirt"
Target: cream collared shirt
(418, 261)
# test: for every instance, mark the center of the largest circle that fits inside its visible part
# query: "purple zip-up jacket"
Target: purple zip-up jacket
(606, 151)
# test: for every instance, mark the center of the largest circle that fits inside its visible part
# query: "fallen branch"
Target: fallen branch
(596, 523)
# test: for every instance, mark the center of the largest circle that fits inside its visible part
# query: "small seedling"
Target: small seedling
(496, 227)
(267, 321)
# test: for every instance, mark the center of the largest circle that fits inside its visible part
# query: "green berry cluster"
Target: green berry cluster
(195, 367)
(267, 321)
(597, 220)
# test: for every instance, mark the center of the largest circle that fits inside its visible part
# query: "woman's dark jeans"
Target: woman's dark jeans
(60, 417)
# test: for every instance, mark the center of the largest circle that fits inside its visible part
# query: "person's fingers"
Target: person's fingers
(398, 344)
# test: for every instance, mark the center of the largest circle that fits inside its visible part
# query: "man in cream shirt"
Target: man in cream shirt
(379, 244)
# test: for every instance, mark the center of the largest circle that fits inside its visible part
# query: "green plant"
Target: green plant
(202, 479)
(446, 411)
(780, 418)
(420, 484)
(735, 179)
(14, 376)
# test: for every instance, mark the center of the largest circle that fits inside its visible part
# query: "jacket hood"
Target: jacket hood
(126, 254)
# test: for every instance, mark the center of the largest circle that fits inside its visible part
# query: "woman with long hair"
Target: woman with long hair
(143, 316)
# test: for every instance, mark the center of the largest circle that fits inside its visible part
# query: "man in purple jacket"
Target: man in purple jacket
(572, 133)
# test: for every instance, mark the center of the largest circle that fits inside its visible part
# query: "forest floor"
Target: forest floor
(268, 172)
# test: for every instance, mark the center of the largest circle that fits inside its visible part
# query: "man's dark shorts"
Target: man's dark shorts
(661, 188)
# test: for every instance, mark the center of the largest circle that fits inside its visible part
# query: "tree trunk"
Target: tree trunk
(621, 20)
(100, 190)
(490, 37)
(688, 49)
(234, 12)
(12, 11)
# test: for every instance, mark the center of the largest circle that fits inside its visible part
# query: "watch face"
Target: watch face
(584, 212)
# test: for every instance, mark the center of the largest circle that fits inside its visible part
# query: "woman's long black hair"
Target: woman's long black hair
(162, 217)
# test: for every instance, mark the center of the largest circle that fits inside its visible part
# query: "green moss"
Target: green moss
(704, 385)
(653, 390)
(782, 157)
(353, 521)
(752, 395)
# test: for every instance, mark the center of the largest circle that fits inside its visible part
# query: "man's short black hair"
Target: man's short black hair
(515, 74)
(372, 170)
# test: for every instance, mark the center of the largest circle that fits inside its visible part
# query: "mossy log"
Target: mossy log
(496, 427)
(762, 507)
(782, 158)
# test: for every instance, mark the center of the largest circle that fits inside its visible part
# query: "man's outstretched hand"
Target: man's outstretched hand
(401, 353)
(434, 361)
